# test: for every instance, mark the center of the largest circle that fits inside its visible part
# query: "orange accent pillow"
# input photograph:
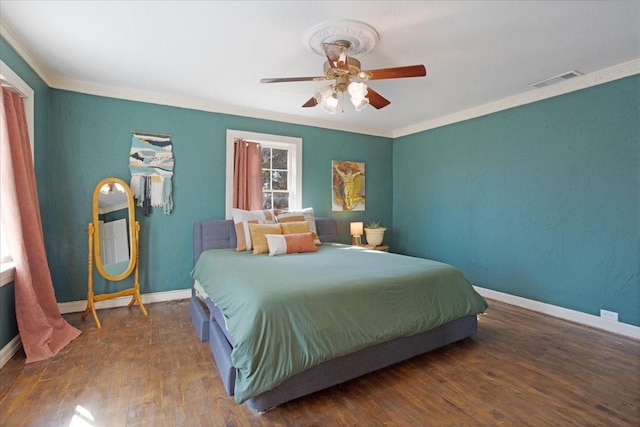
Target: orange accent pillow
(290, 243)
(306, 214)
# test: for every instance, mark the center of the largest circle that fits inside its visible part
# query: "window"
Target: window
(11, 79)
(275, 178)
(281, 169)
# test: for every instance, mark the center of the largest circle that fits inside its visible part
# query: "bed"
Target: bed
(276, 340)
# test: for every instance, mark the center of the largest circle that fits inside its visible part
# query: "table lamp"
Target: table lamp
(357, 229)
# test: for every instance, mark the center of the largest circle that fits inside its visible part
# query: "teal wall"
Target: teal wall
(8, 322)
(8, 327)
(540, 201)
(90, 140)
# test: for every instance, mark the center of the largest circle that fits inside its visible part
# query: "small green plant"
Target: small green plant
(373, 224)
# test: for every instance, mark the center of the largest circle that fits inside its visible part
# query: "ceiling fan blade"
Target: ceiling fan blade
(337, 56)
(293, 79)
(376, 100)
(311, 102)
(397, 72)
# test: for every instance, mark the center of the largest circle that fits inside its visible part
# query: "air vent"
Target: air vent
(556, 79)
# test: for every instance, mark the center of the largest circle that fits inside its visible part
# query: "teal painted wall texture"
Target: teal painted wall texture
(8, 322)
(540, 201)
(90, 140)
(8, 326)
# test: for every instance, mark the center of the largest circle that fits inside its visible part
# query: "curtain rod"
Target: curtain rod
(139, 132)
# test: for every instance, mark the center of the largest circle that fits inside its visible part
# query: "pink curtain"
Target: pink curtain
(247, 175)
(43, 331)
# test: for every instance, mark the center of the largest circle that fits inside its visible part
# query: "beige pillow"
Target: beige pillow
(295, 227)
(241, 221)
(258, 236)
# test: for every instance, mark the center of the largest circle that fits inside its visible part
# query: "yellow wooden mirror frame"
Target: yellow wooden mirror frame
(94, 248)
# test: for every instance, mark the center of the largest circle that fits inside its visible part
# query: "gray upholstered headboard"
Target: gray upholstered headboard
(221, 234)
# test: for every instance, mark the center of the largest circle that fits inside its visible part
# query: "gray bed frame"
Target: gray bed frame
(209, 324)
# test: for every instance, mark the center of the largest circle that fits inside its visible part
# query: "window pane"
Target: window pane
(279, 179)
(266, 180)
(266, 200)
(266, 158)
(281, 200)
(279, 159)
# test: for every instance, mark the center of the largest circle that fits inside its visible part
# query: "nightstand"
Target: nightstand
(382, 248)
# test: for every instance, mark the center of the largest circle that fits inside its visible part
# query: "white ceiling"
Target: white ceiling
(212, 54)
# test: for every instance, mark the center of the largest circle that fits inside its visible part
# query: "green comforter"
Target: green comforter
(288, 313)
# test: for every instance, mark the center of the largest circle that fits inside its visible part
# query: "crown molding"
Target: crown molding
(202, 105)
(606, 75)
(25, 53)
(534, 95)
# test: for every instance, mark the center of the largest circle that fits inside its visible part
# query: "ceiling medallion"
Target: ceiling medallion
(362, 37)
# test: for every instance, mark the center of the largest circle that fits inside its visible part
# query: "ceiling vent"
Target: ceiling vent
(556, 79)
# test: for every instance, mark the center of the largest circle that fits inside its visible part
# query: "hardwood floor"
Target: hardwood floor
(521, 368)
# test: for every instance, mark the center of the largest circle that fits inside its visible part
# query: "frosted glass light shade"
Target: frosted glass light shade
(327, 99)
(358, 92)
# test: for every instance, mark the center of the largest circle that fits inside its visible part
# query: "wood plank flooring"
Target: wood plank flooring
(521, 368)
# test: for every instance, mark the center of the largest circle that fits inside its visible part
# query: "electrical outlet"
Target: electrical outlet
(609, 315)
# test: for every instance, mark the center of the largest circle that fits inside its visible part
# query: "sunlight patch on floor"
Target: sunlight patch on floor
(82, 418)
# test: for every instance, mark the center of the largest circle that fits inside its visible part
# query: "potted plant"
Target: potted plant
(374, 232)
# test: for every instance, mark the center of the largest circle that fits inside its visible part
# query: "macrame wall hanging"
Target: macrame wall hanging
(151, 164)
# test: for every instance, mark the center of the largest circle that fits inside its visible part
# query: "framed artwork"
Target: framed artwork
(348, 189)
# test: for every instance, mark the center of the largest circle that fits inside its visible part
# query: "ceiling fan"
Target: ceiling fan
(343, 69)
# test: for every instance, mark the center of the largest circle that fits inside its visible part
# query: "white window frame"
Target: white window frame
(294, 147)
(9, 78)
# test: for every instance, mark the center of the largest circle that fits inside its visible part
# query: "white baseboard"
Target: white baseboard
(9, 350)
(598, 322)
(80, 306)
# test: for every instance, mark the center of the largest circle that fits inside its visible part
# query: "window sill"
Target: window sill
(7, 273)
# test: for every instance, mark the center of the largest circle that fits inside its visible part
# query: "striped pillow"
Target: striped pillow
(242, 219)
(259, 233)
(281, 244)
(305, 214)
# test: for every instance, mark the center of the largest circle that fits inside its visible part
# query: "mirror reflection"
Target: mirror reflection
(113, 228)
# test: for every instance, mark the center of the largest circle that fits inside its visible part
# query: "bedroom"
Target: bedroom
(479, 209)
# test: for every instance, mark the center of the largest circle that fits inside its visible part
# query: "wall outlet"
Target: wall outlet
(609, 315)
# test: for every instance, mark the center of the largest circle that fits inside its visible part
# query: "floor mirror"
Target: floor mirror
(113, 243)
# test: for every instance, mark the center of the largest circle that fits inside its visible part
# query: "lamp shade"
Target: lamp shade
(357, 228)
(358, 92)
(327, 99)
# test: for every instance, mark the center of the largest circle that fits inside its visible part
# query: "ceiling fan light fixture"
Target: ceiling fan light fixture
(358, 92)
(337, 42)
(327, 99)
